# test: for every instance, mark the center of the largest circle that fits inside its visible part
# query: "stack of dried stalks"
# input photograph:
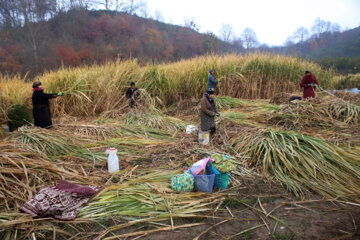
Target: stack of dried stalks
(328, 114)
(300, 161)
(280, 98)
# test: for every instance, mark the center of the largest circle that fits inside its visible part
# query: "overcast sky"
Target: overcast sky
(272, 20)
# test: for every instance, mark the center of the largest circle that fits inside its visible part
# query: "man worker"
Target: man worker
(211, 81)
(132, 94)
(309, 84)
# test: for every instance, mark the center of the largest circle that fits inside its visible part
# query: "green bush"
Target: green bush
(18, 116)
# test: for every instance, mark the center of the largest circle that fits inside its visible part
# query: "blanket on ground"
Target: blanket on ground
(62, 201)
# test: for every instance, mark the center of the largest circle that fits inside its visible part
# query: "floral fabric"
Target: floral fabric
(182, 182)
(223, 163)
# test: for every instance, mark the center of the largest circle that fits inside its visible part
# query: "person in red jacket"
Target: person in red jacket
(309, 84)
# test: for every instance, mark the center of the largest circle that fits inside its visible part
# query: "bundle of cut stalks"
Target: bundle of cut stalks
(300, 161)
(23, 173)
(225, 102)
(329, 114)
(114, 130)
(280, 98)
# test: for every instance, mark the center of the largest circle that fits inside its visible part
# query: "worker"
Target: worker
(211, 80)
(132, 94)
(41, 105)
(309, 84)
(208, 112)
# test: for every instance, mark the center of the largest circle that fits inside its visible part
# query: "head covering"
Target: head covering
(36, 84)
(132, 84)
(211, 70)
(210, 91)
(307, 71)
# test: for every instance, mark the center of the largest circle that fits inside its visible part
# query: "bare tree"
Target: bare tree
(226, 32)
(158, 16)
(191, 23)
(319, 27)
(106, 3)
(300, 34)
(144, 11)
(335, 28)
(249, 38)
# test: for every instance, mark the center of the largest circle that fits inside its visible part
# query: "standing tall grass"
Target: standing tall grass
(91, 90)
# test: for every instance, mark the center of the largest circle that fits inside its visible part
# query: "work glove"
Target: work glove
(217, 114)
(318, 86)
(60, 94)
(310, 85)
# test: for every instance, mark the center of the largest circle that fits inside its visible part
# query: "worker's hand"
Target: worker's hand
(310, 85)
(60, 94)
(217, 114)
(318, 86)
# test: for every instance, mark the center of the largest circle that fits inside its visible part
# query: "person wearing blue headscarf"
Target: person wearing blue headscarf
(211, 80)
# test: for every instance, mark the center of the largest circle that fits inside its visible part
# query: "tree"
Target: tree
(335, 28)
(300, 34)
(190, 23)
(319, 27)
(249, 38)
(144, 11)
(226, 32)
(158, 16)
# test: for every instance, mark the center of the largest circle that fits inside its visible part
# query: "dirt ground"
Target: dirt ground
(259, 209)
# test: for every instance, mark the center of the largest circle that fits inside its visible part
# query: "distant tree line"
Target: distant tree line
(36, 35)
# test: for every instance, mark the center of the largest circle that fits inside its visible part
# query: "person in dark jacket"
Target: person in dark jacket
(309, 84)
(211, 80)
(208, 112)
(132, 94)
(41, 106)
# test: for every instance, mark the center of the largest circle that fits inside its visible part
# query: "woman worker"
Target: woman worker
(208, 112)
(41, 105)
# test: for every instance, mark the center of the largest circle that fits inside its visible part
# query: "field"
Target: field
(297, 174)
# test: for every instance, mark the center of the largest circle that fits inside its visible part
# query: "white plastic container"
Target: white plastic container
(190, 129)
(113, 160)
(204, 137)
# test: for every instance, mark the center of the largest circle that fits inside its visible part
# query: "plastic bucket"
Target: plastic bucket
(204, 137)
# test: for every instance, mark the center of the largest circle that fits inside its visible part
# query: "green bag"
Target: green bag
(222, 163)
(182, 182)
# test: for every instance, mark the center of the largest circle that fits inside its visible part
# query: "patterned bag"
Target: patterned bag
(223, 163)
(182, 182)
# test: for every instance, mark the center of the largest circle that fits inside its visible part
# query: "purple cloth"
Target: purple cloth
(62, 201)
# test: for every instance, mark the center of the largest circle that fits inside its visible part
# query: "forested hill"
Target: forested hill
(347, 44)
(83, 37)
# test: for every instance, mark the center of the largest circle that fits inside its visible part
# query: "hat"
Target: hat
(36, 84)
(211, 70)
(132, 84)
(210, 91)
(307, 71)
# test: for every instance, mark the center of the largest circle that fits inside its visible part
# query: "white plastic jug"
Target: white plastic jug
(113, 160)
(204, 137)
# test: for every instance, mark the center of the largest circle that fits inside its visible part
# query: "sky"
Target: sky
(272, 20)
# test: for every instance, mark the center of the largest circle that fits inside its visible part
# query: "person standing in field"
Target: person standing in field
(208, 112)
(309, 84)
(41, 105)
(211, 80)
(132, 94)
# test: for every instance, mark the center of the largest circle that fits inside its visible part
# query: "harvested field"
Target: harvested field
(273, 193)
(297, 165)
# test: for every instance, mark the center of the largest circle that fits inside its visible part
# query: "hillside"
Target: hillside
(84, 37)
(346, 44)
